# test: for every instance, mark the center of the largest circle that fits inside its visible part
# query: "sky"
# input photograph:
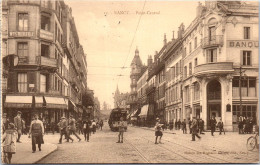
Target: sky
(110, 32)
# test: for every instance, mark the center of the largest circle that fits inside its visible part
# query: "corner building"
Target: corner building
(220, 42)
(40, 80)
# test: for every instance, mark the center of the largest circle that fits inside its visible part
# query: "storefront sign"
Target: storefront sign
(21, 34)
(243, 44)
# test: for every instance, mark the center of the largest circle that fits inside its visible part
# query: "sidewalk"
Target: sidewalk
(24, 153)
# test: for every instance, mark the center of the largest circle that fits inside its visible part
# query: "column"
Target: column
(191, 100)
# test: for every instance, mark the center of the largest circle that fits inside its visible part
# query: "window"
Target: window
(212, 33)
(190, 46)
(248, 111)
(195, 43)
(23, 22)
(190, 69)
(45, 22)
(22, 82)
(22, 49)
(43, 83)
(196, 95)
(45, 50)
(246, 57)
(211, 55)
(195, 61)
(248, 87)
(173, 72)
(185, 71)
(185, 52)
(187, 91)
(246, 32)
(177, 69)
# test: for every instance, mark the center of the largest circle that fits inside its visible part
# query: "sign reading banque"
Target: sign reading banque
(243, 44)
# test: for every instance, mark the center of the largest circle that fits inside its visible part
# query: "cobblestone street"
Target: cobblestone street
(139, 147)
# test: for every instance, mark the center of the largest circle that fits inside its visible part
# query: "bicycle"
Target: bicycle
(252, 142)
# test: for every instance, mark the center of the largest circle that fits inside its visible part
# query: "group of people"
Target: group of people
(12, 133)
(245, 125)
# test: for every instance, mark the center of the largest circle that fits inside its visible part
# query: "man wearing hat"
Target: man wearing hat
(63, 130)
(18, 125)
(72, 127)
(158, 132)
(194, 129)
(37, 131)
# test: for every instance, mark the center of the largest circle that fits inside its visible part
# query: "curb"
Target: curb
(45, 155)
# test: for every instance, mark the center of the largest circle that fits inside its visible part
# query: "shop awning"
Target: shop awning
(144, 111)
(55, 102)
(38, 101)
(18, 102)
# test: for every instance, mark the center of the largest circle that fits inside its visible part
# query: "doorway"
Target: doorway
(213, 101)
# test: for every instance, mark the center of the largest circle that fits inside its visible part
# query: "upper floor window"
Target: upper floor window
(190, 46)
(22, 49)
(43, 83)
(23, 19)
(195, 42)
(45, 50)
(190, 69)
(246, 57)
(246, 32)
(185, 52)
(22, 82)
(212, 33)
(211, 55)
(45, 22)
(195, 61)
(185, 71)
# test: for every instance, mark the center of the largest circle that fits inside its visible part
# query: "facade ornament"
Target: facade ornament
(234, 21)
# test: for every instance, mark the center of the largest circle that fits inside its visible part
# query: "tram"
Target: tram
(115, 116)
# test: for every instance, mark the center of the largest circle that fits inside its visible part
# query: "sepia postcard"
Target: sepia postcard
(127, 81)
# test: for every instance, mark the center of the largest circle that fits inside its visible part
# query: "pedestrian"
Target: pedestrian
(18, 125)
(221, 126)
(240, 125)
(86, 129)
(63, 127)
(23, 128)
(158, 132)
(72, 127)
(52, 127)
(37, 132)
(101, 124)
(80, 124)
(5, 122)
(212, 123)
(121, 129)
(176, 124)
(194, 128)
(9, 142)
(201, 126)
(251, 125)
(171, 125)
(179, 124)
(93, 125)
(184, 126)
(190, 125)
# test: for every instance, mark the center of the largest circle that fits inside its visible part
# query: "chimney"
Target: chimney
(199, 9)
(173, 36)
(149, 61)
(165, 40)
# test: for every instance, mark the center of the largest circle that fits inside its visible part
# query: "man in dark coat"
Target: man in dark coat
(212, 124)
(37, 132)
(63, 126)
(221, 127)
(184, 126)
(18, 125)
(72, 127)
(86, 129)
(201, 126)
(194, 128)
(190, 125)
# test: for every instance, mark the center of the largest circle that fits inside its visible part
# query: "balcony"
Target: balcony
(213, 68)
(48, 62)
(150, 89)
(46, 35)
(213, 41)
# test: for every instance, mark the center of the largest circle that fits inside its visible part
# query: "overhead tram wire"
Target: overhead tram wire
(132, 41)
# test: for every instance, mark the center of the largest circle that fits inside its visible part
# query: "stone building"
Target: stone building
(42, 79)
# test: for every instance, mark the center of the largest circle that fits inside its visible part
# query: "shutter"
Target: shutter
(31, 79)
(12, 77)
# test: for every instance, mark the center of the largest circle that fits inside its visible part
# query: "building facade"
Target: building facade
(42, 79)
(211, 69)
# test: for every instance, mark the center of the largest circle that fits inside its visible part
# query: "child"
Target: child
(9, 140)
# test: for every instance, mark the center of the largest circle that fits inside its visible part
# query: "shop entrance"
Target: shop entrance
(213, 101)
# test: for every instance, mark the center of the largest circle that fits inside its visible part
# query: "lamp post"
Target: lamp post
(240, 89)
